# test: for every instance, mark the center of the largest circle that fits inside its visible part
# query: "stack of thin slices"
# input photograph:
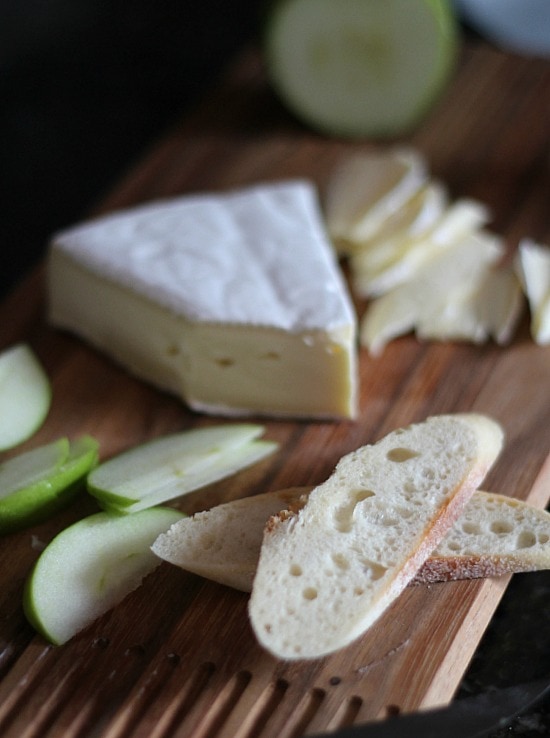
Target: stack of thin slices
(426, 263)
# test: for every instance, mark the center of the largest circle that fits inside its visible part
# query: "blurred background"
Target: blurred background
(85, 87)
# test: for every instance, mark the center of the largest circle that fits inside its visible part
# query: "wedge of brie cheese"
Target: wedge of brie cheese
(234, 301)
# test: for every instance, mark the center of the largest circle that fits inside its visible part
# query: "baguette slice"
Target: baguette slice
(327, 572)
(495, 535)
(223, 544)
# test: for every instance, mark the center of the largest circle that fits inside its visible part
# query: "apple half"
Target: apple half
(360, 68)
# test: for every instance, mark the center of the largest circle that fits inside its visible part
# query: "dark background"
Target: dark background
(85, 86)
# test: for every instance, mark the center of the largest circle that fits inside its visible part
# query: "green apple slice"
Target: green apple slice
(89, 568)
(359, 68)
(25, 395)
(169, 467)
(36, 483)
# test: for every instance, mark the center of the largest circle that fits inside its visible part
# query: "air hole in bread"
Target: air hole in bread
(453, 546)
(401, 454)
(526, 539)
(309, 593)
(501, 527)
(543, 538)
(340, 560)
(358, 591)
(374, 570)
(403, 512)
(343, 515)
(295, 648)
(471, 528)
(410, 494)
(207, 541)
(296, 570)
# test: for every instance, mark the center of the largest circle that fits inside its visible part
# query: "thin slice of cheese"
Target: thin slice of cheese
(533, 268)
(234, 301)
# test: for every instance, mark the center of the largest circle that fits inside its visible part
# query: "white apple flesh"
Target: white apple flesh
(89, 568)
(358, 68)
(25, 395)
(172, 466)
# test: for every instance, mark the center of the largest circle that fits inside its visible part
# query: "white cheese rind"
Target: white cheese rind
(235, 302)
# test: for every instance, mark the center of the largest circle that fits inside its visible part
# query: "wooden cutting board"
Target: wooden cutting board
(178, 657)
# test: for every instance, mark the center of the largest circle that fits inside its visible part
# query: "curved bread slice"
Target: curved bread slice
(495, 535)
(326, 573)
(223, 543)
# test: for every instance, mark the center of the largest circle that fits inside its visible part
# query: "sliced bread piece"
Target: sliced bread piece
(223, 543)
(327, 572)
(494, 535)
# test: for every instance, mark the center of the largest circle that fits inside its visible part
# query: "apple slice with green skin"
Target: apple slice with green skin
(358, 68)
(25, 395)
(90, 567)
(35, 484)
(169, 467)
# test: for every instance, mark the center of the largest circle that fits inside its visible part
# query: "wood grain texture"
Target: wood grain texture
(178, 657)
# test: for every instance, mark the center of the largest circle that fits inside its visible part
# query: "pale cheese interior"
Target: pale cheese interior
(225, 368)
